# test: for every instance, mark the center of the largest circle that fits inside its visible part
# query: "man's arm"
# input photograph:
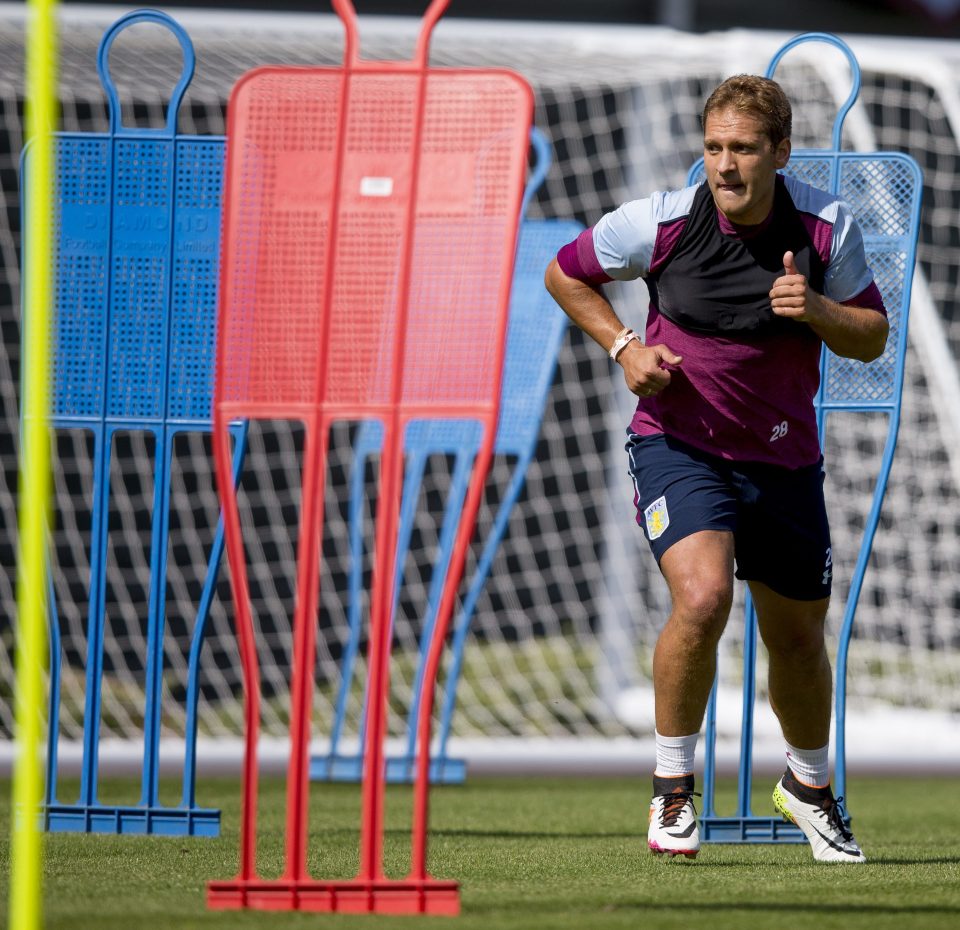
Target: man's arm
(590, 310)
(850, 332)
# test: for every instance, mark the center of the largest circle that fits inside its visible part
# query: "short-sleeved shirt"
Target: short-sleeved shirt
(745, 388)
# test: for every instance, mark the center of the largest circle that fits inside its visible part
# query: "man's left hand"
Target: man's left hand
(791, 295)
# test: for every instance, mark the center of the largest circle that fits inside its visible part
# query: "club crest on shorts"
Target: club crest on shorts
(657, 518)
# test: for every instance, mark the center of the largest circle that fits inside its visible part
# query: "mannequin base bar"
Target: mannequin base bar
(344, 896)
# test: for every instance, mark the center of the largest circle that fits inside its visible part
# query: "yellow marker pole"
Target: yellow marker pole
(26, 852)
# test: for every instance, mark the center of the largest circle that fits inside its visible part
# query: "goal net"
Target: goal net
(561, 641)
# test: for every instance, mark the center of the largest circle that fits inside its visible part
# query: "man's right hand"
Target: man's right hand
(643, 368)
(589, 309)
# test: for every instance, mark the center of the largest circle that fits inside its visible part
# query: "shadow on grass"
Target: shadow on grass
(917, 860)
(530, 835)
(792, 907)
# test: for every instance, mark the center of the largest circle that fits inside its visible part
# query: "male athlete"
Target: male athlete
(748, 274)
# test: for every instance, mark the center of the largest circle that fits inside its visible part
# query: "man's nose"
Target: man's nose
(726, 164)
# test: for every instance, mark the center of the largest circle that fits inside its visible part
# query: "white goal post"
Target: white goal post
(562, 637)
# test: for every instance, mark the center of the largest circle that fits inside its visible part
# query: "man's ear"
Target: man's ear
(782, 153)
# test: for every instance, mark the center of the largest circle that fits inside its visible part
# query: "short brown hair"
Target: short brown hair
(758, 96)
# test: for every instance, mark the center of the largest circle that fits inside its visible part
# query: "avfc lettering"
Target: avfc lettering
(657, 518)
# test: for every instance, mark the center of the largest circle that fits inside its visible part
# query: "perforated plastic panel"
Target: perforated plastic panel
(535, 327)
(81, 254)
(121, 284)
(196, 265)
(811, 169)
(881, 191)
(277, 305)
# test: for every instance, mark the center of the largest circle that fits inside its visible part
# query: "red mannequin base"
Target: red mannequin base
(344, 896)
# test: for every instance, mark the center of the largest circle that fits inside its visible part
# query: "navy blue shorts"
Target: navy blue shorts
(777, 515)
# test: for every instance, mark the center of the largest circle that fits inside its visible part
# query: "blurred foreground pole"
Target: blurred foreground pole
(26, 853)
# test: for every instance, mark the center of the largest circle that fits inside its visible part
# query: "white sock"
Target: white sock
(675, 755)
(810, 766)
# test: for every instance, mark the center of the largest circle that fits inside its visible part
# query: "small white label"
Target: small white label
(376, 187)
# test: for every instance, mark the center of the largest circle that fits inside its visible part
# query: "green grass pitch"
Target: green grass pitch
(531, 854)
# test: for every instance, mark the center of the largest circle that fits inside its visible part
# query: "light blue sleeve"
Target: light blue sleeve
(848, 274)
(624, 240)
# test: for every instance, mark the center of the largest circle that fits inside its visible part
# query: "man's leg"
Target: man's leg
(801, 688)
(800, 681)
(699, 572)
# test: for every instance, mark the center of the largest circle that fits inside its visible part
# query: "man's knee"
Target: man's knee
(703, 604)
(795, 638)
(699, 573)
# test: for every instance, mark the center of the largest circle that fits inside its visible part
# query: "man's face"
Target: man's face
(741, 165)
